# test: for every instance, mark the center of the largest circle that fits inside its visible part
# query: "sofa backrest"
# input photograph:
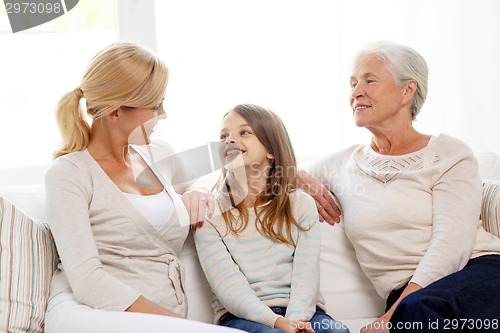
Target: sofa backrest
(26, 246)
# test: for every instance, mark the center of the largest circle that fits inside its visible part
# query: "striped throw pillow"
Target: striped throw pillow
(27, 261)
(490, 210)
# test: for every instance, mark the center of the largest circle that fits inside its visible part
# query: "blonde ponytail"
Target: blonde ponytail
(74, 128)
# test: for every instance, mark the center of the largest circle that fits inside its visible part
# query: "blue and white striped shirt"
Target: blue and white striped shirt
(249, 273)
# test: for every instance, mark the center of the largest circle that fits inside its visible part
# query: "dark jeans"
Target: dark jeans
(320, 322)
(465, 301)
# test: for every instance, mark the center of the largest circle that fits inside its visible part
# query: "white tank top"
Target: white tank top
(156, 208)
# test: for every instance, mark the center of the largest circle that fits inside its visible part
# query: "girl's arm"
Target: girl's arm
(228, 283)
(305, 274)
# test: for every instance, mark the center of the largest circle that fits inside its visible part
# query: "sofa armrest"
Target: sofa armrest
(490, 208)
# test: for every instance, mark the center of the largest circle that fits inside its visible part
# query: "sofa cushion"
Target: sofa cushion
(198, 292)
(348, 293)
(490, 209)
(28, 198)
(489, 165)
(27, 261)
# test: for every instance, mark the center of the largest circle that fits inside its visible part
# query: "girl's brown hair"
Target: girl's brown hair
(274, 217)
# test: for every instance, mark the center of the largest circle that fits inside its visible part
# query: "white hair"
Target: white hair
(405, 64)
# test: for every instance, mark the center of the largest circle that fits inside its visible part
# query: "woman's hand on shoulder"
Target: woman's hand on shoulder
(327, 208)
(200, 205)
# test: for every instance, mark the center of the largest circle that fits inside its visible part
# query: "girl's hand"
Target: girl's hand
(293, 326)
(200, 205)
(303, 326)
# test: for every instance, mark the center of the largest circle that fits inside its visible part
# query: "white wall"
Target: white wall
(292, 56)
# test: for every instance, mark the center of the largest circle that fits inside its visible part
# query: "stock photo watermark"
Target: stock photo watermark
(440, 325)
(24, 14)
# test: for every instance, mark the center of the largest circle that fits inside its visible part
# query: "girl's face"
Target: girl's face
(239, 145)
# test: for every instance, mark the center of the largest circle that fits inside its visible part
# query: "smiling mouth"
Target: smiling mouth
(232, 152)
(359, 108)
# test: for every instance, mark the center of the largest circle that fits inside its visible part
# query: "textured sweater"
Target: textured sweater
(249, 272)
(110, 254)
(413, 217)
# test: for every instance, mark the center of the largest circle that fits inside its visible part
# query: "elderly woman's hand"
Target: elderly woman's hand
(200, 205)
(327, 208)
(381, 325)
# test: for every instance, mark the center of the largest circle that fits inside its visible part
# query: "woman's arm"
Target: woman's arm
(67, 208)
(326, 205)
(144, 305)
(200, 205)
(456, 205)
(456, 202)
(381, 325)
(175, 171)
(67, 200)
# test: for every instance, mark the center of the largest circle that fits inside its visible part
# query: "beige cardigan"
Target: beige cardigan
(110, 254)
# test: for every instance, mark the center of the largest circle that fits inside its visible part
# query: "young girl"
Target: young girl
(261, 253)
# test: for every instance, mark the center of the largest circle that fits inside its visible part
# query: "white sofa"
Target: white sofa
(28, 257)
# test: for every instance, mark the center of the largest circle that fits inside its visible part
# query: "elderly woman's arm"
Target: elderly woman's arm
(381, 325)
(456, 206)
(327, 208)
(456, 202)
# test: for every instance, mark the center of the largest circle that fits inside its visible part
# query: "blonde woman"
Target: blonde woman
(117, 221)
(261, 255)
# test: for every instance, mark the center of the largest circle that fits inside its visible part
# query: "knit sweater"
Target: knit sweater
(249, 272)
(110, 254)
(413, 217)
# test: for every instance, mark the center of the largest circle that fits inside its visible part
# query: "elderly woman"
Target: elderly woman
(411, 204)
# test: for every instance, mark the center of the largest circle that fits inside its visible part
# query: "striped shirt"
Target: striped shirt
(248, 272)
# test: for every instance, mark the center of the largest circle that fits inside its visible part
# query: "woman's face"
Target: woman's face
(140, 123)
(377, 100)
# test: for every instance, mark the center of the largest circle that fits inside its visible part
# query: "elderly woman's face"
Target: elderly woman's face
(376, 98)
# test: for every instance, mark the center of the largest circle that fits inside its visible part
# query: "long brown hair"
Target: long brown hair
(274, 217)
(121, 74)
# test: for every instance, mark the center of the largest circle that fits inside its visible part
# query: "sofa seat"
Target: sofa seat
(28, 258)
